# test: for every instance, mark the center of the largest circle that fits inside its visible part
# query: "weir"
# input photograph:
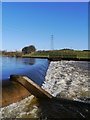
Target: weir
(33, 69)
(31, 86)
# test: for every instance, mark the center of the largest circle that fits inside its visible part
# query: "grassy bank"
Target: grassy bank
(54, 55)
(61, 54)
(12, 54)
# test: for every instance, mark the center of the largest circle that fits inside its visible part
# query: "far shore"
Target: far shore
(53, 55)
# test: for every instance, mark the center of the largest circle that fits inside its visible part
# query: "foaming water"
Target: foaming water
(47, 109)
(26, 108)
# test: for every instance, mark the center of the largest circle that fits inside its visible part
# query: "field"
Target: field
(61, 54)
(54, 54)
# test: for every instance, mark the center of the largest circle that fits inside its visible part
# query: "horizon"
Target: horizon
(47, 50)
(33, 23)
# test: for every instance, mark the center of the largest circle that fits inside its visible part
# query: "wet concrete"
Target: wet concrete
(12, 92)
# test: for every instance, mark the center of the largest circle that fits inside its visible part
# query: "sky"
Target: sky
(45, 0)
(29, 23)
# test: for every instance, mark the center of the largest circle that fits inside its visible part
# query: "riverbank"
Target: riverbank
(66, 79)
(53, 55)
(57, 55)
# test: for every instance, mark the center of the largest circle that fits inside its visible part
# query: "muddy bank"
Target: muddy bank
(68, 80)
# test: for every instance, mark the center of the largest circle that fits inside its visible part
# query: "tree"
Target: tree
(29, 49)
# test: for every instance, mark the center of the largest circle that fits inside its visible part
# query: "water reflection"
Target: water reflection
(30, 61)
(33, 68)
(26, 61)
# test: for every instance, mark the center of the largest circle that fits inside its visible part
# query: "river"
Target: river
(36, 70)
(33, 68)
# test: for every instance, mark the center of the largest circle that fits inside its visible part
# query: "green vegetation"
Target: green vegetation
(61, 54)
(28, 49)
(66, 54)
(12, 54)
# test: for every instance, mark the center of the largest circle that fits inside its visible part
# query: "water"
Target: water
(58, 109)
(33, 68)
(48, 109)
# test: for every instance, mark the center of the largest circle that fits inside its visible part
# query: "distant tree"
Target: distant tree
(66, 49)
(86, 50)
(4, 52)
(29, 49)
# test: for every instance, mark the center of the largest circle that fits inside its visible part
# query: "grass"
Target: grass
(53, 55)
(36, 55)
(61, 54)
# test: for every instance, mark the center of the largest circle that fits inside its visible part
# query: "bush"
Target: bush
(29, 49)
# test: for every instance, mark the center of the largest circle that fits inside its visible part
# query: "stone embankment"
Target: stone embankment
(65, 79)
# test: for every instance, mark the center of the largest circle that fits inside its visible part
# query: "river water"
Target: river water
(36, 69)
(33, 68)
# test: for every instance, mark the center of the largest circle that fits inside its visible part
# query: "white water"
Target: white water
(68, 80)
(58, 74)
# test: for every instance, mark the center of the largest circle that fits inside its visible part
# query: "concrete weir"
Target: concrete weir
(32, 87)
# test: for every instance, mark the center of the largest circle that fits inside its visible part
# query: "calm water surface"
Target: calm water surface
(33, 68)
